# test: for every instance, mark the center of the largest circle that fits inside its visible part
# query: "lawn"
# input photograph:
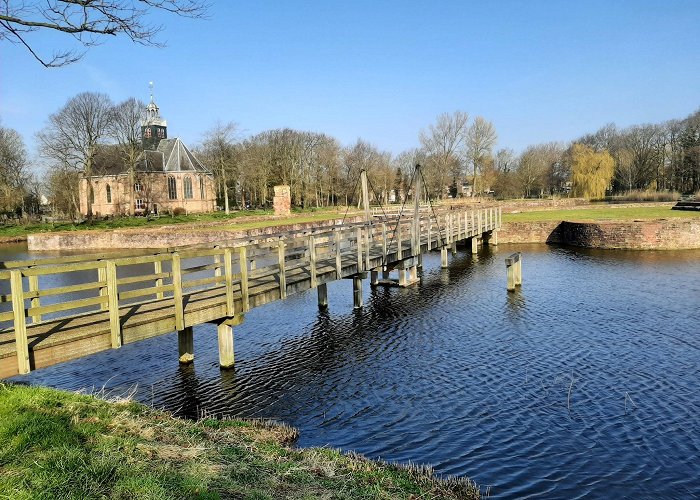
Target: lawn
(56, 444)
(603, 212)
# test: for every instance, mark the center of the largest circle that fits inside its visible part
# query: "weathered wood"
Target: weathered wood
(242, 259)
(282, 272)
(177, 292)
(357, 292)
(323, 296)
(474, 240)
(312, 261)
(228, 274)
(338, 256)
(158, 270)
(36, 301)
(185, 345)
(513, 271)
(20, 324)
(113, 304)
(358, 238)
(227, 358)
(102, 277)
(374, 277)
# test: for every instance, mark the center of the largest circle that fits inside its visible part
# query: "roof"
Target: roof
(171, 155)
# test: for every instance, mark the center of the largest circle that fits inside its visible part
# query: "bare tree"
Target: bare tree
(219, 149)
(125, 127)
(481, 138)
(74, 134)
(444, 145)
(87, 21)
(13, 169)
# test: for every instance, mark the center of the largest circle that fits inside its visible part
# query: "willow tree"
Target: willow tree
(591, 171)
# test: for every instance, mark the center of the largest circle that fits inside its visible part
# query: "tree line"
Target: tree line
(458, 154)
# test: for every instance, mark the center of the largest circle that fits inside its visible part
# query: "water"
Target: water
(584, 383)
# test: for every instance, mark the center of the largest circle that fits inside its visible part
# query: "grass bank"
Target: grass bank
(237, 220)
(598, 213)
(55, 444)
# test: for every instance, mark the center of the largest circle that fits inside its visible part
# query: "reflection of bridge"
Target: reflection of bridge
(68, 307)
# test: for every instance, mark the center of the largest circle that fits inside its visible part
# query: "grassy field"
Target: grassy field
(143, 222)
(602, 212)
(57, 445)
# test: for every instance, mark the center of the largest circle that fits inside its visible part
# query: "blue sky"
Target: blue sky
(383, 70)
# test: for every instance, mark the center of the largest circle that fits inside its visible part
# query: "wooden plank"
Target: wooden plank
(159, 274)
(243, 260)
(282, 273)
(228, 273)
(113, 306)
(35, 301)
(203, 281)
(68, 268)
(66, 306)
(146, 277)
(142, 292)
(20, 322)
(312, 260)
(177, 293)
(358, 242)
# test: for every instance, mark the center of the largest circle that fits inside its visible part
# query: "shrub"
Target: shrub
(179, 211)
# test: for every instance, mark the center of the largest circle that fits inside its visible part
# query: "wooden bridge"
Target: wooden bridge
(69, 307)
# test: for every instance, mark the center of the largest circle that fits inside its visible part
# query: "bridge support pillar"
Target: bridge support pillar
(226, 353)
(420, 260)
(357, 292)
(475, 244)
(443, 257)
(322, 296)
(494, 238)
(386, 274)
(453, 247)
(185, 344)
(374, 278)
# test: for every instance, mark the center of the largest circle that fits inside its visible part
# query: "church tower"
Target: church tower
(153, 127)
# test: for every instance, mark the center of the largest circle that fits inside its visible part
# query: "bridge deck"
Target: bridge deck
(188, 287)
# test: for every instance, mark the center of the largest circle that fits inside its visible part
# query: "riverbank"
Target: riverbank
(59, 444)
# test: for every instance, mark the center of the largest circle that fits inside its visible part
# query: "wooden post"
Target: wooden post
(386, 274)
(494, 238)
(158, 269)
(322, 296)
(358, 237)
(430, 236)
(243, 263)
(227, 356)
(368, 232)
(312, 260)
(177, 293)
(513, 271)
(103, 289)
(228, 272)
(403, 274)
(282, 271)
(185, 345)
(384, 242)
(357, 291)
(443, 257)
(399, 243)
(20, 322)
(374, 277)
(338, 256)
(473, 226)
(113, 304)
(36, 301)
(475, 244)
(217, 261)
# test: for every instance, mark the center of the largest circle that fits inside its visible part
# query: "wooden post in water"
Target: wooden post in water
(224, 330)
(514, 271)
(185, 344)
(475, 244)
(443, 257)
(357, 291)
(374, 277)
(322, 296)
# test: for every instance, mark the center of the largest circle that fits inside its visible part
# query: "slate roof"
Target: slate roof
(171, 156)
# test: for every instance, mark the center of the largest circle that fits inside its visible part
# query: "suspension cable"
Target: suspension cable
(437, 221)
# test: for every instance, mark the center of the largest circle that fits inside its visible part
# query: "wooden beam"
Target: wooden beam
(113, 304)
(177, 292)
(20, 322)
(185, 345)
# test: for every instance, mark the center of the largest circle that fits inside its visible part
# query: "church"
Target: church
(168, 178)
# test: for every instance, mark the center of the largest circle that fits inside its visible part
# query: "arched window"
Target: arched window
(201, 187)
(172, 188)
(188, 188)
(108, 190)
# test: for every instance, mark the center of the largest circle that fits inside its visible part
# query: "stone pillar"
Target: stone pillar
(494, 238)
(322, 296)
(185, 344)
(357, 292)
(282, 202)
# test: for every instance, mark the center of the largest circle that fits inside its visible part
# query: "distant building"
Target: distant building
(167, 176)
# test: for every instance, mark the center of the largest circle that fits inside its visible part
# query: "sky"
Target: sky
(382, 71)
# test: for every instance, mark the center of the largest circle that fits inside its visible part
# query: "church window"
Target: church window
(188, 188)
(140, 205)
(161, 133)
(172, 188)
(137, 187)
(147, 133)
(108, 190)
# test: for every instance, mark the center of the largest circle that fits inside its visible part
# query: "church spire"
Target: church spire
(153, 127)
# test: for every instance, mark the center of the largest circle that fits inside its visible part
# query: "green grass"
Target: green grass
(605, 212)
(55, 445)
(139, 222)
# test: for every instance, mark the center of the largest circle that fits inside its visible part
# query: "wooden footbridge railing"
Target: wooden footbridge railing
(56, 309)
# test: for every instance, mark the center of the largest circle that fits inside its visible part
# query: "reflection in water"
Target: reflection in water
(528, 391)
